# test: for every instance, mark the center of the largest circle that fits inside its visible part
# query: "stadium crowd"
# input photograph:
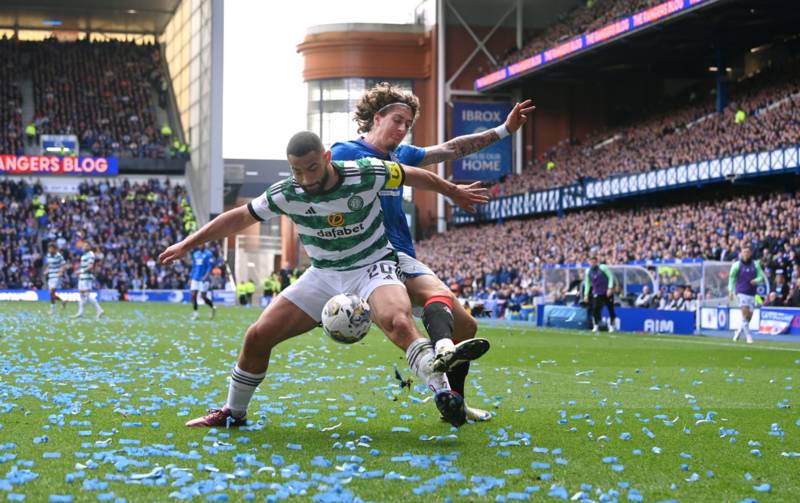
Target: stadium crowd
(584, 18)
(105, 93)
(11, 132)
(768, 108)
(506, 260)
(101, 91)
(131, 223)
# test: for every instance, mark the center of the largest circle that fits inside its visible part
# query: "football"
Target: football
(345, 318)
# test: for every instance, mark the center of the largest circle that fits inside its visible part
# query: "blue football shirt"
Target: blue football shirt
(394, 220)
(198, 265)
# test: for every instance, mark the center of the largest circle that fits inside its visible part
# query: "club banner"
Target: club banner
(766, 320)
(495, 160)
(775, 321)
(51, 165)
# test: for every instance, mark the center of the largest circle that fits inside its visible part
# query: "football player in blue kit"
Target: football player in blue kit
(202, 263)
(385, 114)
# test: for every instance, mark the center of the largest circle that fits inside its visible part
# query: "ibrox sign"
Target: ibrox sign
(51, 165)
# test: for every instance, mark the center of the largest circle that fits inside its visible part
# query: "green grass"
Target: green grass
(81, 383)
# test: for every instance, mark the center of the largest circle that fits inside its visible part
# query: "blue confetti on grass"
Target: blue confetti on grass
(558, 492)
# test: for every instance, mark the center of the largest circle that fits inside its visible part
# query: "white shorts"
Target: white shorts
(746, 300)
(54, 283)
(316, 286)
(201, 286)
(84, 285)
(411, 267)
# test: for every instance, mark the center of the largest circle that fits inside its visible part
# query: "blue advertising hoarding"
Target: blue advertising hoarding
(225, 297)
(628, 319)
(495, 160)
(180, 296)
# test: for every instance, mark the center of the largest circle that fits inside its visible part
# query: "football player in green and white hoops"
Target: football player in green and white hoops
(337, 212)
(86, 281)
(56, 265)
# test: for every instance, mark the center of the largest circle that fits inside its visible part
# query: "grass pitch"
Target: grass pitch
(95, 411)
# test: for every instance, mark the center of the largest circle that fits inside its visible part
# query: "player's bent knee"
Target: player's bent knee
(397, 323)
(258, 336)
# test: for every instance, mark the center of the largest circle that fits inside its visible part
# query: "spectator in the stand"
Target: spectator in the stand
(645, 298)
(660, 299)
(779, 293)
(794, 294)
(689, 301)
(676, 300)
(598, 291)
(518, 299)
(30, 133)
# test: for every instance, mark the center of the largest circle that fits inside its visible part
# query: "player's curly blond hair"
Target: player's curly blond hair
(378, 97)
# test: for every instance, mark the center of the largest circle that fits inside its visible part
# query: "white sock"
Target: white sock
(81, 303)
(444, 344)
(96, 304)
(420, 355)
(240, 391)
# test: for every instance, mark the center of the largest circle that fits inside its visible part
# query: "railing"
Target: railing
(590, 193)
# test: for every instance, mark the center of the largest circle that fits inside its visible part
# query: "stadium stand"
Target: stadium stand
(675, 135)
(508, 257)
(11, 129)
(131, 222)
(583, 18)
(105, 93)
(681, 132)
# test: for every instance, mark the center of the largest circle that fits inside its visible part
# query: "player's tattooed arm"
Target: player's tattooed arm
(465, 145)
(459, 147)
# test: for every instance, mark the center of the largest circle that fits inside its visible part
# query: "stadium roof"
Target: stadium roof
(683, 47)
(125, 16)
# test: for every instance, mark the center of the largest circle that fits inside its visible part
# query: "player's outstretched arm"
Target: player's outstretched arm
(732, 279)
(462, 146)
(464, 196)
(224, 225)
